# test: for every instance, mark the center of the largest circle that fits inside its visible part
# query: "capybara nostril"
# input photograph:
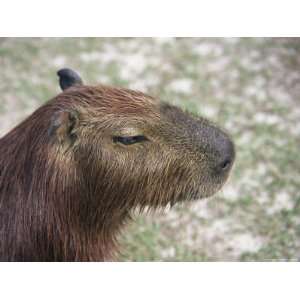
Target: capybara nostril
(226, 153)
(225, 164)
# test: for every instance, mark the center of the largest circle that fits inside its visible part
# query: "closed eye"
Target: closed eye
(129, 140)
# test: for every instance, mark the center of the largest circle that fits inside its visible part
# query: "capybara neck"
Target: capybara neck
(49, 209)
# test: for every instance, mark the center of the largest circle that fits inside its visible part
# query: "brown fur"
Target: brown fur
(66, 189)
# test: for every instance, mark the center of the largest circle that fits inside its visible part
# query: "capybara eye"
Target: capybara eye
(129, 140)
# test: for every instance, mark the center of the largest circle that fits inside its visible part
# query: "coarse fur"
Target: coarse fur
(67, 188)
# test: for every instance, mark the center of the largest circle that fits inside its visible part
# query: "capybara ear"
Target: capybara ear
(63, 126)
(68, 78)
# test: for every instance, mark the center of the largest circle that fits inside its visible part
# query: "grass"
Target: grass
(249, 86)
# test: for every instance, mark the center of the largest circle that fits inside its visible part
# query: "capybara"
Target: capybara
(72, 173)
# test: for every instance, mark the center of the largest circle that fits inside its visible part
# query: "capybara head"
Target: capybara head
(72, 172)
(142, 152)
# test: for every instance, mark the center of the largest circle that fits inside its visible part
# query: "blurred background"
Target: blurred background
(249, 86)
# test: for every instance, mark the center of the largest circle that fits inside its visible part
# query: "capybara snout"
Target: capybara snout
(207, 149)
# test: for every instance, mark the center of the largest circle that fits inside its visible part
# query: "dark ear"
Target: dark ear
(63, 126)
(68, 78)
